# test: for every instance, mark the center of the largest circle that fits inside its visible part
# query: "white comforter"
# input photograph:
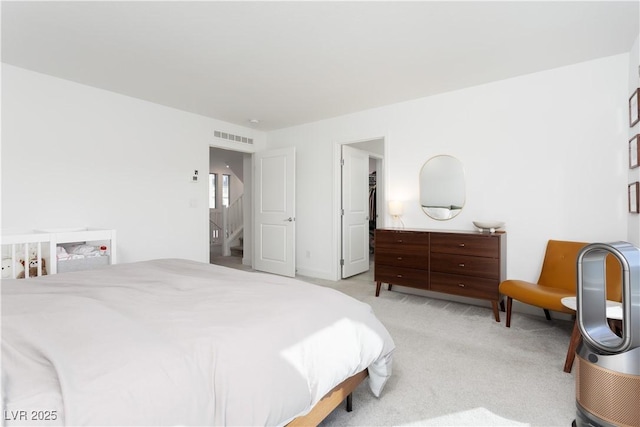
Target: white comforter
(175, 342)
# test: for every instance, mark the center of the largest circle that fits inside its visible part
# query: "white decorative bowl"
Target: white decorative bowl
(490, 226)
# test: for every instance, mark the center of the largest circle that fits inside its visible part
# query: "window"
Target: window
(213, 185)
(226, 189)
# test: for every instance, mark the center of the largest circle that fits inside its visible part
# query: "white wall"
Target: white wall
(545, 152)
(73, 155)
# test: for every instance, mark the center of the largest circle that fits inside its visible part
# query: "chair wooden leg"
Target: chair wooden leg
(509, 303)
(547, 314)
(573, 345)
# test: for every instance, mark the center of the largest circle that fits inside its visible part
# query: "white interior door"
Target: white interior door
(274, 212)
(355, 211)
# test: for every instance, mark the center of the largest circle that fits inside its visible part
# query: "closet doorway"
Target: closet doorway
(361, 198)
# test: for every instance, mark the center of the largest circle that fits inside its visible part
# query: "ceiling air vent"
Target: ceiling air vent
(232, 137)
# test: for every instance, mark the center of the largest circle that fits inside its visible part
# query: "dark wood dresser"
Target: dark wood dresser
(465, 263)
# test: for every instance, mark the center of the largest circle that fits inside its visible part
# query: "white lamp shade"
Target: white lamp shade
(395, 208)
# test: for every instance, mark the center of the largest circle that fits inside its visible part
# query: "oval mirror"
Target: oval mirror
(442, 187)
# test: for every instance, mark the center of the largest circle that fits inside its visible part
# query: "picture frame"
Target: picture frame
(634, 152)
(634, 197)
(634, 108)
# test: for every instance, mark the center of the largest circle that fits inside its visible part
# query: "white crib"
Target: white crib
(23, 246)
(40, 247)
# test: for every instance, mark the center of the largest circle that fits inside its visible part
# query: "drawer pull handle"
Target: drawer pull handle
(399, 240)
(400, 257)
(399, 275)
(461, 285)
(461, 264)
(461, 245)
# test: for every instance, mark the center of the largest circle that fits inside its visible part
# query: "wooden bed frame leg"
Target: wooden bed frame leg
(340, 393)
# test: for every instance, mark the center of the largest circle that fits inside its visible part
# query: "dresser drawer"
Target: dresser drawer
(466, 265)
(406, 259)
(402, 276)
(466, 244)
(402, 240)
(465, 286)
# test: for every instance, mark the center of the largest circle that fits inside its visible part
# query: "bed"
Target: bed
(177, 342)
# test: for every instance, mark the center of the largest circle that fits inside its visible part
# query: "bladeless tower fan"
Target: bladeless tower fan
(608, 364)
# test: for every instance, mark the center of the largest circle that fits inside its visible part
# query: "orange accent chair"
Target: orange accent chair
(558, 279)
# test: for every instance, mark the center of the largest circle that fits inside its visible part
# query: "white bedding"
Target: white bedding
(175, 342)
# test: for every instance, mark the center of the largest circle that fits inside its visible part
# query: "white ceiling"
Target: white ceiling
(287, 63)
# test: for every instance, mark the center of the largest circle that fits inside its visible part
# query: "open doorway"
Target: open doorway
(362, 195)
(229, 201)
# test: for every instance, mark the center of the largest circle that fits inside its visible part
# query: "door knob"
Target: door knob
(289, 219)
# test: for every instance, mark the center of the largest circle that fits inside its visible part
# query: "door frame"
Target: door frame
(247, 171)
(337, 192)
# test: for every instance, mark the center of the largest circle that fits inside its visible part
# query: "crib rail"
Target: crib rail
(17, 247)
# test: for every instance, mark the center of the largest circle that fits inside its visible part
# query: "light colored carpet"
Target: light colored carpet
(472, 417)
(454, 365)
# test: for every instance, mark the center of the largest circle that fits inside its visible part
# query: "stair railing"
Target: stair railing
(215, 227)
(232, 221)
